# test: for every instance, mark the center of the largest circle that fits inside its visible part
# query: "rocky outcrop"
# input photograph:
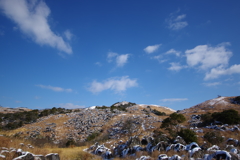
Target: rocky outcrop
(19, 154)
(191, 151)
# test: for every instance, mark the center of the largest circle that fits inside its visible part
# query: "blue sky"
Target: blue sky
(76, 54)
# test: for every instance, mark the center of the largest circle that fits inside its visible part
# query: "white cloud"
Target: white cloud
(206, 57)
(56, 89)
(110, 56)
(213, 60)
(174, 99)
(212, 84)
(121, 60)
(116, 84)
(173, 51)
(176, 22)
(31, 18)
(176, 66)
(220, 71)
(70, 106)
(159, 58)
(151, 49)
(68, 35)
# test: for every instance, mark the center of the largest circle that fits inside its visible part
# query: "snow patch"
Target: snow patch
(145, 105)
(93, 107)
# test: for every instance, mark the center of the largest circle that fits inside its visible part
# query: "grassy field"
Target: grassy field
(71, 153)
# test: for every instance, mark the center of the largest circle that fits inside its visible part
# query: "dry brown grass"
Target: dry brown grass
(73, 153)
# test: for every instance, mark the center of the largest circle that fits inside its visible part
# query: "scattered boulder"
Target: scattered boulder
(52, 156)
(26, 156)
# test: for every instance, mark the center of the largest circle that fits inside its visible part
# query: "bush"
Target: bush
(158, 113)
(70, 143)
(102, 107)
(122, 107)
(93, 136)
(213, 137)
(173, 120)
(236, 100)
(188, 135)
(230, 116)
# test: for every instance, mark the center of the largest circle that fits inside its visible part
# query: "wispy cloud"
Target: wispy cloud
(98, 63)
(173, 51)
(176, 66)
(212, 84)
(120, 60)
(176, 21)
(174, 99)
(70, 106)
(68, 35)
(31, 18)
(151, 49)
(56, 89)
(220, 71)
(18, 101)
(160, 58)
(117, 84)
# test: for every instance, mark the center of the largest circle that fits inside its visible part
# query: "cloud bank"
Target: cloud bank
(31, 18)
(116, 84)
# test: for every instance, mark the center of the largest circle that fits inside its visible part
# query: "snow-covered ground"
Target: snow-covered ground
(219, 100)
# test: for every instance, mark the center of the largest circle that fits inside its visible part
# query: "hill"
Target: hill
(13, 110)
(130, 130)
(214, 105)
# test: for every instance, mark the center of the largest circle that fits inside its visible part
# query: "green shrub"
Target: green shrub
(70, 142)
(213, 137)
(230, 116)
(121, 107)
(158, 113)
(93, 136)
(236, 100)
(102, 107)
(173, 120)
(188, 135)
